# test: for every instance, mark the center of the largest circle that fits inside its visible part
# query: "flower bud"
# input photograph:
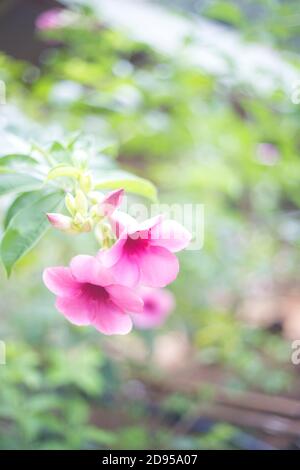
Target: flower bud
(70, 204)
(110, 202)
(60, 222)
(82, 224)
(85, 182)
(94, 212)
(81, 202)
(78, 220)
(87, 225)
(95, 197)
(104, 235)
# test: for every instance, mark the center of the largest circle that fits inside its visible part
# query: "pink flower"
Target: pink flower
(144, 252)
(158, 304)
(87, 295)
(49, 19)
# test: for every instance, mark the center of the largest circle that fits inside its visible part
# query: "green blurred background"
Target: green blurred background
(200, 97)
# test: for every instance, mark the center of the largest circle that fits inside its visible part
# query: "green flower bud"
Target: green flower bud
(87, 225)
(96, 197)
(94, 212)
(82, 224)
(85, 182)
(81, 202)
(70, 204)
(104, 235)
(78, 220)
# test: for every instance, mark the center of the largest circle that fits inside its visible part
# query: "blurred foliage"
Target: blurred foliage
(273, 22)
(201, 139)
(43, 398)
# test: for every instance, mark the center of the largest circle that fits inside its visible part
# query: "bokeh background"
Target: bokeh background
(201, 97)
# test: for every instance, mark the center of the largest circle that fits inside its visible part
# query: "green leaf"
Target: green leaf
(63, 171)
(23, 200)
(109, 148)
(16, 161)
(59, 154)
(26, 228)
(131, 183)
(17, 182)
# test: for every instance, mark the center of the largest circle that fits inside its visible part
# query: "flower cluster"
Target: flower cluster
(122, 284)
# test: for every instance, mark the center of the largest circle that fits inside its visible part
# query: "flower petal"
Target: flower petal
(171, 235)
(60, 281)
(112, 255)
(158, 304)
(90, 269)
(126, 271)
(125, 298)
(76, 310)
(150, 223)
(159, 301)
(111, 201)
(111, 320)
(121, 222)
(158, 267)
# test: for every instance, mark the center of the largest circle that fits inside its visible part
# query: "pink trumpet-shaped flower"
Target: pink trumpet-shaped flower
(144, 252)
(110, 202)
(88, 295)
(158, 304)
